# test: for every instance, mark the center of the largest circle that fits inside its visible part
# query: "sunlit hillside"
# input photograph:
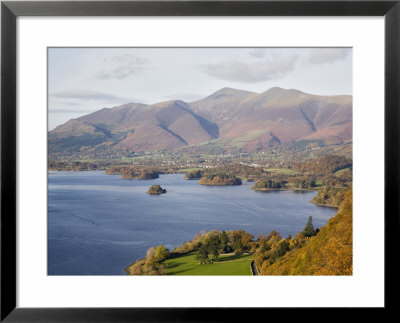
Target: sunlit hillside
(327, 253)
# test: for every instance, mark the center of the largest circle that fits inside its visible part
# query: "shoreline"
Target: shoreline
(326, 205)
(282, 189)
(219, 184)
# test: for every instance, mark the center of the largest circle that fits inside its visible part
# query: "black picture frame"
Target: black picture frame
(11, 10)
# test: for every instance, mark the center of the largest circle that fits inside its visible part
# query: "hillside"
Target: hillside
(230, 118)
(327, 253)
(221, 106)
(134, 128)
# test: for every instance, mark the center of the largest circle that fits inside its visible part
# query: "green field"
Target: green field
(285, 171)
(340, 171)
(225, 265)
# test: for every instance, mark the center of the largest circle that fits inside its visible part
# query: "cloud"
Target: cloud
(327, 55)
(257, 52)
(88, 95)
(121, 67)
(252, 72)
(188, 97)
(85, 95)
(71, 103)
(70, 111)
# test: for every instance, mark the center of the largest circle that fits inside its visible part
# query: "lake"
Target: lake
(98, 224)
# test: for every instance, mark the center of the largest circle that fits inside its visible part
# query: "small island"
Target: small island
(220, 179)
(156, 189)
(269, 185)
(194, 174)
(132, 172)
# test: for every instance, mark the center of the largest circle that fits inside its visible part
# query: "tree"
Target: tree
(162, 269)
(264, 245)
(238, 247)
(283, 247)
(150, 266)
(224, 239)
(202, 254)
(309, 230)
(273, 237)
(213, 247)
(246, 239)
(150, 252)
(195, 174)
(161, 253)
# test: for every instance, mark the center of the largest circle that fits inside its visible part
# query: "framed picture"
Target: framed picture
(157, 155)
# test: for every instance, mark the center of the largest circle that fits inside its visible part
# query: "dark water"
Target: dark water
(99, 224)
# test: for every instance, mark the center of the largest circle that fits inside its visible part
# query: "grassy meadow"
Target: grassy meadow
(224, 265)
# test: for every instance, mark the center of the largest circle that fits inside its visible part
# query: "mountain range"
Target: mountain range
(242, 120)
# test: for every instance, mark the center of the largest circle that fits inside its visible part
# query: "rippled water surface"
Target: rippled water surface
(98, 224)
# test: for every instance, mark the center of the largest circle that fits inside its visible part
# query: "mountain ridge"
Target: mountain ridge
(245, 120)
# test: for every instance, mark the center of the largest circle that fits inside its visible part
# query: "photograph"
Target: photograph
(200, 161)
(153, 151)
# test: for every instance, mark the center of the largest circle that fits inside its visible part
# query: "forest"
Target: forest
(129, 172)
(219, 179)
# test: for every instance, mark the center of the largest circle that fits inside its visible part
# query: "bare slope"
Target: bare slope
(166, 126)
(134, 128)
(278, 116)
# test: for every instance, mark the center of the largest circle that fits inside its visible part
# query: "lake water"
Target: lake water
(98, 224)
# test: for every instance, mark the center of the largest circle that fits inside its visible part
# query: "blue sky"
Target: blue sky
(84, 80)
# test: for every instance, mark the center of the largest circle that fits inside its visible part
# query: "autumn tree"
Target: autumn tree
(273, 237)
(161, 253)
(151, 265)
(246, 239)
(150, 252)
(283, 247)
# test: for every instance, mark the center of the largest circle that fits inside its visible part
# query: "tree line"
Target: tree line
(207, 248)
(324, 165)
(133, 172)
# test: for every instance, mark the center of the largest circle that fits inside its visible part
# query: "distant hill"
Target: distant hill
(134, 128)
(244, 120)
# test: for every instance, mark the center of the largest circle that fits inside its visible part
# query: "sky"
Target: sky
(84, 80)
